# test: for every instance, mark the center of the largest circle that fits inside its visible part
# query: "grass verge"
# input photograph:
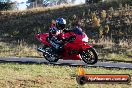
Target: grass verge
(15, 75)
(107, 51)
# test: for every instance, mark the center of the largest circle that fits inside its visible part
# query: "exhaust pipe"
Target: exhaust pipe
(41, 50)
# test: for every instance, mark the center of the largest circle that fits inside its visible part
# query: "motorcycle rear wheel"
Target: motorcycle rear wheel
(89, 56)
(50, 55)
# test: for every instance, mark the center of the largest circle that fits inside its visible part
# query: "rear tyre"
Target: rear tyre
(50, 55)
(89, 56)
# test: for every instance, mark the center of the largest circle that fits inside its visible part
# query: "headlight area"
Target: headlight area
(85, 39)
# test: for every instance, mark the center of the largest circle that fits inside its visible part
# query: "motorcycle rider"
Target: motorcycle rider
(56, 30)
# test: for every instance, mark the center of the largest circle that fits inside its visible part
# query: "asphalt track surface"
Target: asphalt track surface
(107, 64)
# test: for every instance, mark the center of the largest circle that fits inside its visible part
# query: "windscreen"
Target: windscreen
(77, 31)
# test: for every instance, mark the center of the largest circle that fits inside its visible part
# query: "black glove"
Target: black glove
(65, 39)
(71, 38)
(65, 30)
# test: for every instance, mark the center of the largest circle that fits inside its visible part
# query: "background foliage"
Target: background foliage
(109, 20)
(7, 5)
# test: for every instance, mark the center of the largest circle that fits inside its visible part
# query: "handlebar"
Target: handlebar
(70, 39)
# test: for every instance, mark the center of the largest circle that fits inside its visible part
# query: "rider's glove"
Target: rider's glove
(65, 39)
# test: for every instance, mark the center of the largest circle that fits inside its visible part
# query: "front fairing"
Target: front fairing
(43, 38)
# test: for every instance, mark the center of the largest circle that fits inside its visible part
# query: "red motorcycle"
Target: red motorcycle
(75, 47)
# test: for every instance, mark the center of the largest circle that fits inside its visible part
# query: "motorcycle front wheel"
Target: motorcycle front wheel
(89, 56)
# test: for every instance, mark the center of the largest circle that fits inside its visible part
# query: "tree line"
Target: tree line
(7, 5)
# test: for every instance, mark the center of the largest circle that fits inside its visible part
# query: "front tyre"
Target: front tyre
(89, 56)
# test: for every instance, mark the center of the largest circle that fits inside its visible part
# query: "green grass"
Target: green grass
(15, 75)
(113, 53)
(120, 55)
(108, 50)
(18, 50)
